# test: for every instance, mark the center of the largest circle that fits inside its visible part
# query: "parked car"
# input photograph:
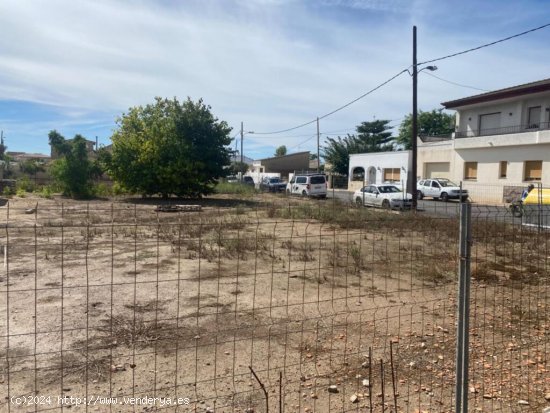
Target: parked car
(310, 185)
(440, 188)
(272, 184)
(383, 195)
(248, 180)
(232, 179)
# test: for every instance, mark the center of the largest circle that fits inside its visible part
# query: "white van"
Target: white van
(310, 185)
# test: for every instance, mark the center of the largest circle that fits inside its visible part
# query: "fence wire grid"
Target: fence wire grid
(266, 304)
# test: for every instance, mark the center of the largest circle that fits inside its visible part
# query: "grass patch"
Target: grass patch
(234, 189)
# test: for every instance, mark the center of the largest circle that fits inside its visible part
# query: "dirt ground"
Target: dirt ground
(114, 306)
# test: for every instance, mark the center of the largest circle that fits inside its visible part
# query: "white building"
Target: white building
(378, 168)
(501, 142)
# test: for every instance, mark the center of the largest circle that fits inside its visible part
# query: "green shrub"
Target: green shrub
(8, 191)
(102, 190)
(25, 184)
(74, 172)
(45, 192)
(21, 193)
(118, 189)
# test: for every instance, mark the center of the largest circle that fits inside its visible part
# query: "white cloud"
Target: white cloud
(270, 63)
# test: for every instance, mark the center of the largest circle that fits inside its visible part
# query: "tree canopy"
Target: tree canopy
(169, 148)
(280, 151)
(238, 167)
(73, 171)
(372, 136)
(433, 123)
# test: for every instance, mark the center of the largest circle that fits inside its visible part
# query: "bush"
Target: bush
(74, 172)
(45, 192)
(8, 191)
(118, 189)
(21, 193)
(25, 185)
(103, 190)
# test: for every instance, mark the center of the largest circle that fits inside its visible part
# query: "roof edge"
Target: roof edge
(513, 91)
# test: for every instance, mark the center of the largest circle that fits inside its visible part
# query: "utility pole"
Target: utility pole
(2, 147)
(414, 172)
(318, 159)
(242, 135)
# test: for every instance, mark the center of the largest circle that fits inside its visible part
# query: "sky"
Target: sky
(77, 65)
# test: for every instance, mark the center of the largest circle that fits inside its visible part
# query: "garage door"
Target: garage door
(437, 170)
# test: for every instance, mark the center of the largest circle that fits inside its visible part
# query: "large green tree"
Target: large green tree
(280, 151)
(433, 123)
(375, 136)
(169, 148)
(74, 172)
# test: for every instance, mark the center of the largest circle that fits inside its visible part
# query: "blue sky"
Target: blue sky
(76, 65)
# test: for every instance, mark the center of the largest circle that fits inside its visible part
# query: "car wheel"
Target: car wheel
(323, 197)
(304, 194)
(358, 201)
(444, 196)
(386, 204)
(419, 195)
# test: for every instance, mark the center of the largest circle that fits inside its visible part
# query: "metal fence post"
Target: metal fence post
(462, 339)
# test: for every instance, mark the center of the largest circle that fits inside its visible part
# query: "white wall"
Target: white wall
(489, 151)
(489, 159)
(429, 152)
(379, 161)
(488, 187)
(514, 112)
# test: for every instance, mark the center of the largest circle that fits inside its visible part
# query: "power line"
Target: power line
(363, 95)
(335, 110)
(454, 83)
(399, 74)
(282, 137)
(485, 45)
(301, 143)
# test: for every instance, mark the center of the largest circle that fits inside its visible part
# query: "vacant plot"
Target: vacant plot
(118, 300)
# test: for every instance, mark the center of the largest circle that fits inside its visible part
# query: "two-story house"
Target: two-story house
(501, 142)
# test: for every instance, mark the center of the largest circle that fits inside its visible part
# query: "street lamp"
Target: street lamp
(415, 72)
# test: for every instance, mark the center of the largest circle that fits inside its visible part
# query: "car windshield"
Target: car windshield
(388, 189)
(274, 180)
(446, 182)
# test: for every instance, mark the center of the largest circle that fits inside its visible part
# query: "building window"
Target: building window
(358, 174)
(392, 174)
(503, 170)
(533, 121)
(489, 124)
(533, 170)
(470, 170)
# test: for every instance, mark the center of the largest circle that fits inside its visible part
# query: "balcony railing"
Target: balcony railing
(533, 127)
(436, 138)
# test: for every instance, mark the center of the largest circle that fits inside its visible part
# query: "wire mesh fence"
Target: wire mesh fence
(265, 304)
